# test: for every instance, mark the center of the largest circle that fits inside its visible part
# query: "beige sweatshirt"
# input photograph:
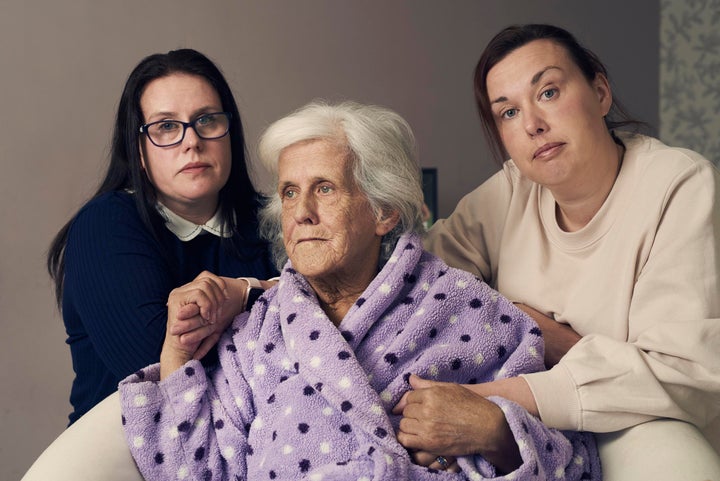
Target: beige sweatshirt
(640, 283)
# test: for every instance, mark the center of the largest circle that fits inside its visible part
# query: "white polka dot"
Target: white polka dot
(316, 361)
(216, 403)
(228, 452)
(522, 445)
(393, 260)
(286, 364)
(479, 359)
(533, 352)
(425, 286)
(380, 348)
(173, 432)
(388, 459)
(316, 477)
(200, 422)
(461, 283)
(251, 345)
(500, 373)
(138, 441)
(560, 473)
(386, 396)
(327, 411)
(345, 383)
(292, 343)
(318, 314)
(420, 311)
(475, 476)
(298, 299)
(412, 346)
(511, 476)
(325, 447)
(258, 422)
(287, 449)
(140, 400)
(183, 472)
(579, 460)
(385, 288)
(260, 370)
(377, 409)
(189, 396)
(239, 402)
(251, 383)
(363, 478)
(488, 328)
(273, 308)
(453, 319)
(288, 410)
(433, 371)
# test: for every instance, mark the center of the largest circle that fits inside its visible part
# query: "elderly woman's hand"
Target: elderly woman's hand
(448, 419)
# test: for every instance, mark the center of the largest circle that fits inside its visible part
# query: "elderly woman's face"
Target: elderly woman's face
(329, 229)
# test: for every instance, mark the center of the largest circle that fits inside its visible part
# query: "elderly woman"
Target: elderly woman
(306, 383)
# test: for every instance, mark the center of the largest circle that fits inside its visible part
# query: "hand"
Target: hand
(429, 460)
(448, 419)
(559, 338)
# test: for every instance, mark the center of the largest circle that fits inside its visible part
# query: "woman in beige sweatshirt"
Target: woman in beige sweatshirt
(610, 240)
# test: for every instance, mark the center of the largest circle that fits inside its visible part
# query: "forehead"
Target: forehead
(314, 158)
(176, 92)
(524, 63)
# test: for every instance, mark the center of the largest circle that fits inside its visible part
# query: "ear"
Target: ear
(142, 157)
(602, 89)
(386, 222)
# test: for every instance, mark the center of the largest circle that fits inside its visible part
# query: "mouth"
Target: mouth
(548, 149)
(194, 167)
(308, 239)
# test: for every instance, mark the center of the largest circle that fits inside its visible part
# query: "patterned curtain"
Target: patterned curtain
(690, 75)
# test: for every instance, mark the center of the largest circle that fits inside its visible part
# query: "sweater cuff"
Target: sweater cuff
(557, 397)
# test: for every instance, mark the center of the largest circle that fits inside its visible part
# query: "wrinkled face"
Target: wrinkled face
(329, 229)
(187, 176)
(550, 118)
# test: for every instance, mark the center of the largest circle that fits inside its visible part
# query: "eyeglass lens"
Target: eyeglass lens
(168, 132)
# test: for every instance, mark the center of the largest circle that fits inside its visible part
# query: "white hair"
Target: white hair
(380, 145)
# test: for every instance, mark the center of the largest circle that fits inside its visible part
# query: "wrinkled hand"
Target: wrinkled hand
(448, 419)
(559, 338)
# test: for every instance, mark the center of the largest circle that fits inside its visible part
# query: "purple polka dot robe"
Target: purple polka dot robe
(295, 397)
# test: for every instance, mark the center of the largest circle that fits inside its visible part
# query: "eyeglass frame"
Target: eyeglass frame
(191, 124)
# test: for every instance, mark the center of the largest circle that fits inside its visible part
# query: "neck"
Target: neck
(575, 210)
(337, 296)
(198, 213)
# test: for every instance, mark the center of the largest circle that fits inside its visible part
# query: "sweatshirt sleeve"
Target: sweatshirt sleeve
(116, 283)
(669, 366)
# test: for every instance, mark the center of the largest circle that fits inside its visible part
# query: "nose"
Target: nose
(534, 122)
(305, 211)
(191, 139)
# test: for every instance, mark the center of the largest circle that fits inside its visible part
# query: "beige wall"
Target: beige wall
(63, 64)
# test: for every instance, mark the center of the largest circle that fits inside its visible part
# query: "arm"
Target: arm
(559, 338)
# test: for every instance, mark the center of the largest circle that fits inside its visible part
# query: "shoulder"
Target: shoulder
(655, 161)
(109, 206)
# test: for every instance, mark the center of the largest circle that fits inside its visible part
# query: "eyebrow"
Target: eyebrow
(166, 114)
(534, 80)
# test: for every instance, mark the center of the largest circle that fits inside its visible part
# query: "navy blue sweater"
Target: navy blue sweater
(117, 282)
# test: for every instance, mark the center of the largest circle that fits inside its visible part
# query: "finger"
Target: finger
(196, 336)
(400, 406)
(180, 327)
(416, 382)
(188, 311)
(206, 345)
(423, 458)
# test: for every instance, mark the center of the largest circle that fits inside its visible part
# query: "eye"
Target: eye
(168, 126)
(325, 189)
(508, 114)
(205, 120)
(548, 94)
(289, 194)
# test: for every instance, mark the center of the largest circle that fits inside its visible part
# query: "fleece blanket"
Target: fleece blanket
(295, 397)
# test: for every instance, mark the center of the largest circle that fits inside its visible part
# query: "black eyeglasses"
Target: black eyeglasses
(166, 133)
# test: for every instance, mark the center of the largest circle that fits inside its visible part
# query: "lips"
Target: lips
(194, 167)
(547, 149)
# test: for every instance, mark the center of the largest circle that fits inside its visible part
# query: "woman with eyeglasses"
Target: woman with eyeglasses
(168, 233)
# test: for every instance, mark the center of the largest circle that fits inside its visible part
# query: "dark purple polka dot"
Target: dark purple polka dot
(505, 319)
(304, 292)
(406, 377)
(250, 450)
(399, 332)
(341, 463)
(370, 451)
(199, 453)
(318, 387)
(360, 301)
(262, 300)
(536, 470)
(272, 474)
(348, 336)
(207, 475)
(432, 333)
(247, 427)
(303, 428)
(380, 432)
(297, 367)
(472, 380)
(455, 364)
(409, 279)
(549, 447)
(140, 374)
(269, 347)
(585, 475)
(440, 296)
(219, 424)
(525, 428)
(231, 348)
(476, 303)
(465, 338)
(346, 406)
(343, 355)
(290, 270)
(271, 399)
(391, 358)
(159, 458)
(234, 330)
(283, 378)
(304, 465)
(315, 335)
(409, 247)
(157, 417)
(501, 351)
(536, 331)
(274, 435)
(408, 300)
(184, 426)
(346, 428)
(122, 418)
(189, 371)
(291, 318)
(308, 391)
(442, 273)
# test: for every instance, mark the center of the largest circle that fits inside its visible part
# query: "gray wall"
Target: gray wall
(63, 65)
